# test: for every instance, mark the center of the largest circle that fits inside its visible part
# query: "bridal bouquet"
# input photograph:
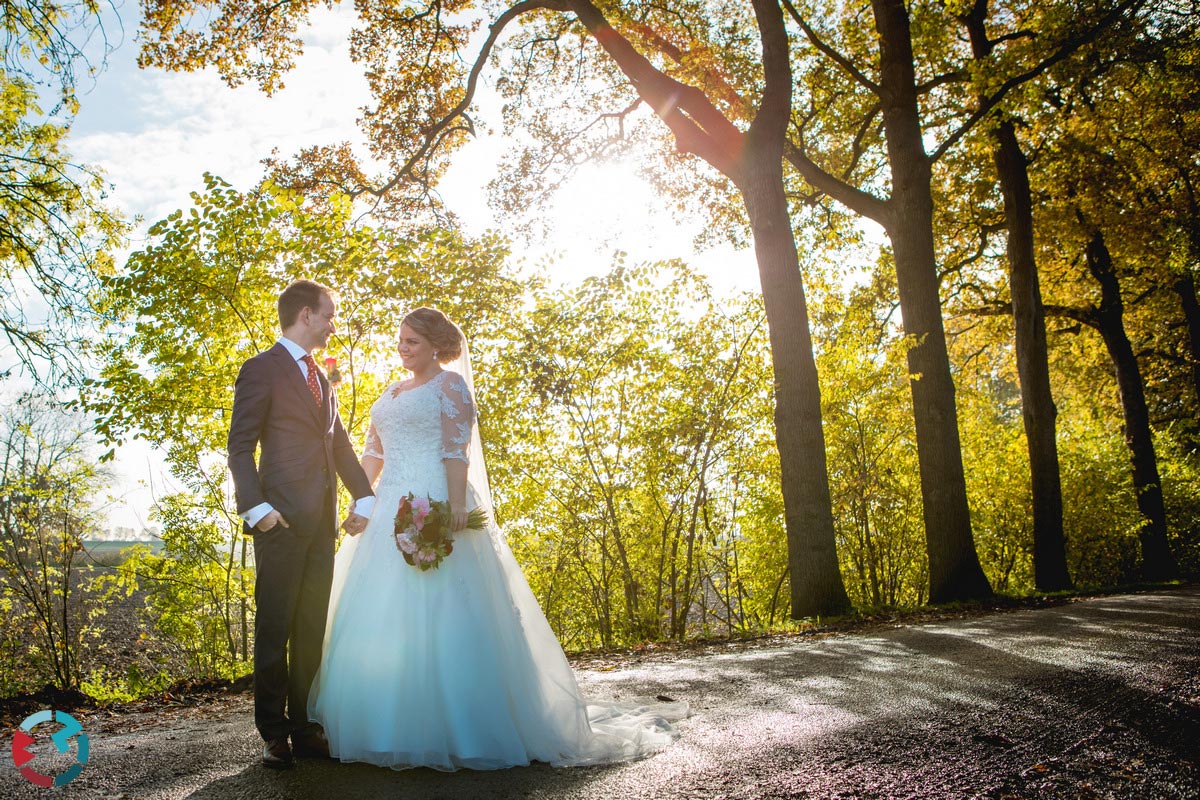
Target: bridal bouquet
(422, 530)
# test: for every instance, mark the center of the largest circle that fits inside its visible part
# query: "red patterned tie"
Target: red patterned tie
(313, 385)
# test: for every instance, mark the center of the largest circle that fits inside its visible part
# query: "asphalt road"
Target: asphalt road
(1096, 698)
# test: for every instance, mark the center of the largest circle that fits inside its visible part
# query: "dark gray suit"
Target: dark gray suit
(304, 449)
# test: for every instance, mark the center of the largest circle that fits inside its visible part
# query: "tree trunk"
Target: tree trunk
(954, 570)
(1157, 562)
(816, 580)
(1185, 287)
(1033, 368)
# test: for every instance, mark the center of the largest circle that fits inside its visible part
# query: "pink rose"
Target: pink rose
(420, 511)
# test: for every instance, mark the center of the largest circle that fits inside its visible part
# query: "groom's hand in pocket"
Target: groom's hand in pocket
(272, 519)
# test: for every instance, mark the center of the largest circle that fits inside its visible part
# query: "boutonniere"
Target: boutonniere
(332, 372)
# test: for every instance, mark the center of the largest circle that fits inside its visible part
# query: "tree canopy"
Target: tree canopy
(56, 231)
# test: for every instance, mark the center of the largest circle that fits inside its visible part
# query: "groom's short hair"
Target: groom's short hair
(297, 296)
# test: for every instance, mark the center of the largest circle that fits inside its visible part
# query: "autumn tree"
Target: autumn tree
(1092, 191)
(55, 229)
(1033, 365)
(199, 298)
(870, 82)
(894, 92)
(875, 479)
(50, 490)
(624, 429)
(1107, 187)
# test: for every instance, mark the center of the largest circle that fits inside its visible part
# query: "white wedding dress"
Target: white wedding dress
(454, 667)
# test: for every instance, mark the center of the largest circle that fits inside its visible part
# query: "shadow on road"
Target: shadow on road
(313, 780)
(1099, 698)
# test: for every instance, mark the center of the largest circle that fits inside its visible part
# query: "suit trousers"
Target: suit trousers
(294, 573)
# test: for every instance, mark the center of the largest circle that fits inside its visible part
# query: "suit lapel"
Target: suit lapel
(294, 378)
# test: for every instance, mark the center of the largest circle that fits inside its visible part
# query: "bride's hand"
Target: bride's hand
(458, 518)
(354, 524)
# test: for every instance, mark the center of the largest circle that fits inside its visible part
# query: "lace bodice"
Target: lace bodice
(414, 428)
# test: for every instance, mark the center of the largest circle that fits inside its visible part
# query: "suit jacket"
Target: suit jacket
(304, 448)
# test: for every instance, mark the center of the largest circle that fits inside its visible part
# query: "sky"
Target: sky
(155, 133)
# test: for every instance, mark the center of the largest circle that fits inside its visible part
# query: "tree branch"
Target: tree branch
(776, 106)
(698, 126)
(841, 60)
(438, 132)
(1088, 316)
(853, 198)
(1065, 49)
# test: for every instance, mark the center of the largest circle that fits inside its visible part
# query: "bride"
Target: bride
(454, 667)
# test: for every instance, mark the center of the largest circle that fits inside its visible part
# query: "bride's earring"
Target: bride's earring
(435, 355)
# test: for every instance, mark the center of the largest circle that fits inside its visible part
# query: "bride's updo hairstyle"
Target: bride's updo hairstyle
(437, 329)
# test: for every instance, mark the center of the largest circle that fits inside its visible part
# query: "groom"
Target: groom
(288, 500)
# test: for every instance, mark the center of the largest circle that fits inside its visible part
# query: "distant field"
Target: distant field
(110, 552)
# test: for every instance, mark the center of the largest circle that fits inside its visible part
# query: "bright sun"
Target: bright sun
(609, 207)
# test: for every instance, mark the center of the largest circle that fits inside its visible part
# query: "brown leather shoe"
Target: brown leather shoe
(312, 744)
(277, 754)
